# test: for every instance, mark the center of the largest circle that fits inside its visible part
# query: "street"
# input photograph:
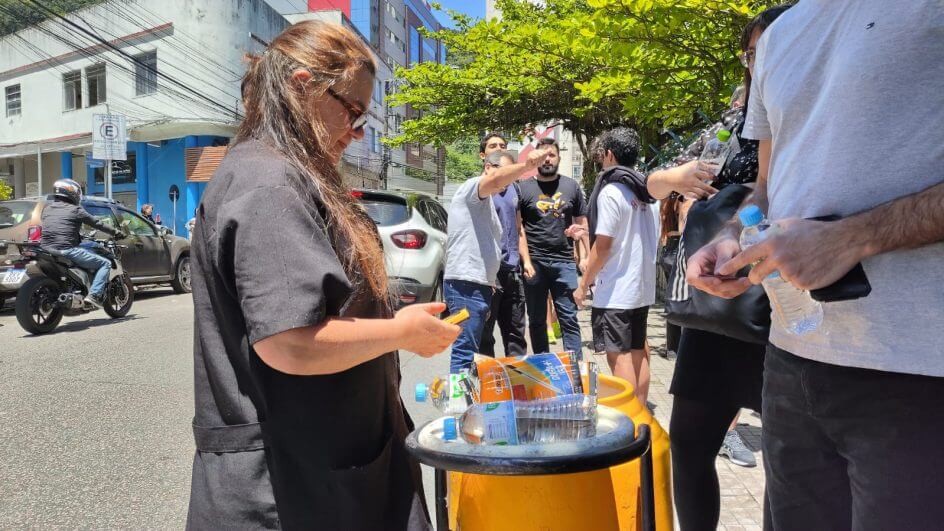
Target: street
(96, 420)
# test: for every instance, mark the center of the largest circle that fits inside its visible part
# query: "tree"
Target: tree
(18, 14)
(462, 158)
(6, 191)
(586, 64)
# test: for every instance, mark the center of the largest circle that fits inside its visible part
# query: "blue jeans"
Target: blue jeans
(560, 280)
(93, 263)
(477, 298)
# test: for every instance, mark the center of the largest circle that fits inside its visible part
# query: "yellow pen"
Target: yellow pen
(458, 317)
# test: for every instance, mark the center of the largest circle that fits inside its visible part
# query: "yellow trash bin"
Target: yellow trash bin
(601, 500)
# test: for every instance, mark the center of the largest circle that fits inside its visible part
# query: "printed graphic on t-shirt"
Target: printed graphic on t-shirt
(551, 205)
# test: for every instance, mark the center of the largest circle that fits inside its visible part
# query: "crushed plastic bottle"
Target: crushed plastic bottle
(450, 393)
(548, 420)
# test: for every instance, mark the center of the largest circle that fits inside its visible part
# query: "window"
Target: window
(414, 45)
(375, 145)
(95, 81)
(13, 100)
(72, 89)
(136, 224)
(379, 91)
(122, 171)
(102, 213)
(396, 41)
(145, 74)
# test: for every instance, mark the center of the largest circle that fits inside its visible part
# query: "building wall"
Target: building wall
(198, 42)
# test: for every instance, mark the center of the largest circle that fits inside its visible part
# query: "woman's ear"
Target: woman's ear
(301, 76)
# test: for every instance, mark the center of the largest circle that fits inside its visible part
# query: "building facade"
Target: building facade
(173, 71)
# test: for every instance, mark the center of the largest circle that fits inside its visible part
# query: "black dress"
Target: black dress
(712, 367)
(276, 450)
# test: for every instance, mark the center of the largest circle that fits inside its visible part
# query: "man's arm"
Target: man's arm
(583, 243)
(92, 221)
(526, 265)
(495, 182)
(599, 254)
(814, 254)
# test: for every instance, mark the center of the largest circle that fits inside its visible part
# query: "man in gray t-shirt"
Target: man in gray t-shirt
(473, 254)
(848, 106)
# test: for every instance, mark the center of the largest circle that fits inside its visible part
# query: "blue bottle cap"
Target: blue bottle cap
(419, 392)
(449, 429)
(751, 215)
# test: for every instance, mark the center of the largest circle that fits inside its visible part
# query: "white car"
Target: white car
(413, 230)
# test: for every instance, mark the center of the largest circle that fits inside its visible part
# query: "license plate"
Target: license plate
(13, 277)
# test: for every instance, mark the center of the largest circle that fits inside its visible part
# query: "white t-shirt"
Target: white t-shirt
(851, 93)
(628, 279)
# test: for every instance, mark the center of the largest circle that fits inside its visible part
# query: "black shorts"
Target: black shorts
(619, 330)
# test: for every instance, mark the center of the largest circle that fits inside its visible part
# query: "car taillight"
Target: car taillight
(409, 239)
(357, 194)
(34, 233)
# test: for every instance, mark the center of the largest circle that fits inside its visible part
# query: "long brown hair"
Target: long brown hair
(277, 114)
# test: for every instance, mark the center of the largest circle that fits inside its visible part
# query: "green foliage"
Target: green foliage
(462, 159)
(587, 64)
(18, 14)
(6, 191)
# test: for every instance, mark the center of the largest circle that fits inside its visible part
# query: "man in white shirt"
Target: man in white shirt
(622, 262)
(847, 104)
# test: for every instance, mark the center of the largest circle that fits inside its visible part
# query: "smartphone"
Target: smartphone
(457, 318)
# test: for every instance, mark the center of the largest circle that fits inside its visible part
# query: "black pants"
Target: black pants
(508, 308)
(697, 429)
(849, 448)
(673, 333)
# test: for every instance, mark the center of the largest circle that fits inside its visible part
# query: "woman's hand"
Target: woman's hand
(422, 332)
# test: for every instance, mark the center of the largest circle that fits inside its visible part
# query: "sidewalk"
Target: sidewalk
(742, 489)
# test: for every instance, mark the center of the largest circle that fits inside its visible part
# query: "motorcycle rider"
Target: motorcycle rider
(62, 219)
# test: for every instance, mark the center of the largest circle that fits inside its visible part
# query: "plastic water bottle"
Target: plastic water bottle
(450, 393)
(792, 308)
(716, 152)
(512, 422)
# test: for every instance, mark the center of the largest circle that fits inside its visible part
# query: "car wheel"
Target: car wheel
(120, 296)
(438, 296)
(181, 282)
(37, 306)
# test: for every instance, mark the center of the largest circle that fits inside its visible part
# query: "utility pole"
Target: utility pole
(388, 85)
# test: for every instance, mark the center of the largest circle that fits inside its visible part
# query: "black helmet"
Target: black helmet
(68, 190)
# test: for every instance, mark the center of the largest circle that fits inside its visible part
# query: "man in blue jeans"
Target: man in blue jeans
(548, 204)
(62, 219)
(473, 254)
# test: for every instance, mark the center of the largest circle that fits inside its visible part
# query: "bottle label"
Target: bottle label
(500, 425)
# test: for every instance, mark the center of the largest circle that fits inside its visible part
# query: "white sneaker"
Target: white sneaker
(734, 449)
(92, 300)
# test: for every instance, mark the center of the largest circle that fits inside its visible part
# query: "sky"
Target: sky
(474, 8)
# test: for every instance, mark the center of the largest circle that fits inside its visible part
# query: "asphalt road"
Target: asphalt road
(96, 418)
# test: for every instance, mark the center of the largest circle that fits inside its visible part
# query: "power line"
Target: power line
(136, 61)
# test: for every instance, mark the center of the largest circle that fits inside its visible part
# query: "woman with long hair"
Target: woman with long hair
(299, 422)
(715, 375)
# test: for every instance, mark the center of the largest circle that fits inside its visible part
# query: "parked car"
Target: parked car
(413, 230)
(153, 255)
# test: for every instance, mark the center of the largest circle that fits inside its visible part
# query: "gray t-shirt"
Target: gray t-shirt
(853, 100)
(473, 253)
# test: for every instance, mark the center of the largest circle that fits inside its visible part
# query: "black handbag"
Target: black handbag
(746, 317)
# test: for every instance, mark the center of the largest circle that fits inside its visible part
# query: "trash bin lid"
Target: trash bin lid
(614, 443)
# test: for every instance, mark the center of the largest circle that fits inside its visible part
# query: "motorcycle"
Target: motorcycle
(57, 287)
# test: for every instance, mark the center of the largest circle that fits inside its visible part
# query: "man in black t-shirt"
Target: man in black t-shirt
(548, 205)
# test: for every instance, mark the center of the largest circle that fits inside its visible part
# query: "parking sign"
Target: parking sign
(109, 137)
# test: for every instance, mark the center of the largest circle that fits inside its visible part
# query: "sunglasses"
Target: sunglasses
(358, 117)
